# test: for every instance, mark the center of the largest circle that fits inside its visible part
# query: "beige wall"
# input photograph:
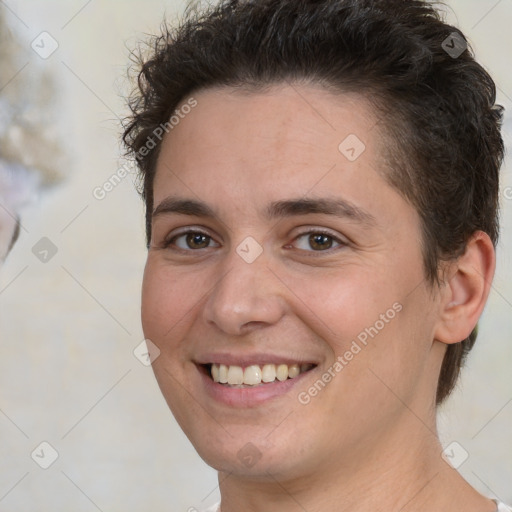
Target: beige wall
(69, 325)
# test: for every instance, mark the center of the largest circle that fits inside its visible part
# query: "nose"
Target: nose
(247, 296)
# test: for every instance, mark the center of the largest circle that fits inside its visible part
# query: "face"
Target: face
(277, 241)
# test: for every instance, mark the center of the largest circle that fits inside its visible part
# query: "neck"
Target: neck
(402, 470)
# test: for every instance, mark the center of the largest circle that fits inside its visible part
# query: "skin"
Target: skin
(368, 440)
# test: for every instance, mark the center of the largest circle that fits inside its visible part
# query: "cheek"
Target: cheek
(170, 298)
(164, 300)
(372, 317)
(346, 302)
(393, 351)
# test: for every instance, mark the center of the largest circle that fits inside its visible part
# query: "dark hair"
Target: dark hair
(444, 148)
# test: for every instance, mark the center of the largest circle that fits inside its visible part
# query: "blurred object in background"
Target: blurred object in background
(30, 155)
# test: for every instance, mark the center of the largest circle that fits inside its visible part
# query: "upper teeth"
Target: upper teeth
(255, 374)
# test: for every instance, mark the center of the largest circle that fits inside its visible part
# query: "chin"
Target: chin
(251, 454)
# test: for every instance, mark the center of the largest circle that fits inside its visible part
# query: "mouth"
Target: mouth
(254, 375)
(251, 385)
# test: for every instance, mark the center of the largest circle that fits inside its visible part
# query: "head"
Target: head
(290, 103)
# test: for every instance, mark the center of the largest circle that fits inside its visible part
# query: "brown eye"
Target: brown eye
(320, 241)
(188, 240)
(197, 240)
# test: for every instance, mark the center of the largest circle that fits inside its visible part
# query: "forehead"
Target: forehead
(289, 136)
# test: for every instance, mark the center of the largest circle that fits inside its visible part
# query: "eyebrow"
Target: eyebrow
(276, 210)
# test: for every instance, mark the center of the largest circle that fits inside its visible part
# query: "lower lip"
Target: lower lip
(248, 396)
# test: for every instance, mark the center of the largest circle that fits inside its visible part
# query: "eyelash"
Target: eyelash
(341, 243)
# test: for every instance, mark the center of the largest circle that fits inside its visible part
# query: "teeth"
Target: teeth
(215, 372)
(268, 373)
(235, 375)
(254, 374)
(282, 372)
(293, 370)
(223, 373)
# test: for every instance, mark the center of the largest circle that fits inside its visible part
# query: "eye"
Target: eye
(318, 241)
(191, 240)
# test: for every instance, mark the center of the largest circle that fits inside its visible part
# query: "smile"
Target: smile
(254, 375)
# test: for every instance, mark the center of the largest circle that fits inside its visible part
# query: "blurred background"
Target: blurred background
(69, 291)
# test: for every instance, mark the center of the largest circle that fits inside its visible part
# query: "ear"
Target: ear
(465, 291)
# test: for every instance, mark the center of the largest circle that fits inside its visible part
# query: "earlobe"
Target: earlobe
(466, 289)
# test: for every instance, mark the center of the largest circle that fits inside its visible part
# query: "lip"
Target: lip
(248, 396)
